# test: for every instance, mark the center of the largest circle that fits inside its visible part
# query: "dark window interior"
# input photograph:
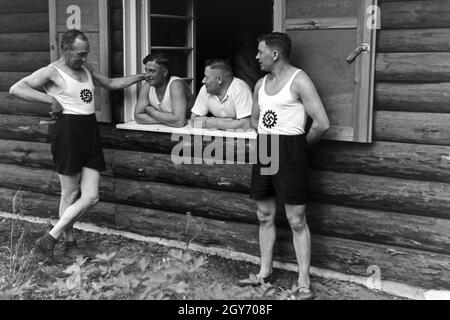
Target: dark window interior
(219, 24)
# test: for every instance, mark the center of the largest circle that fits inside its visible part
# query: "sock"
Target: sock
(49, 239)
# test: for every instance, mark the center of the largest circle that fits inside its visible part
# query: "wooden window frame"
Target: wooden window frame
(137, 44)
(132, 62)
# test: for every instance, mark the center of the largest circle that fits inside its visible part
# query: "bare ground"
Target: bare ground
(217, 270)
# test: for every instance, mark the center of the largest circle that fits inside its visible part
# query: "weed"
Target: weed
(17, 277)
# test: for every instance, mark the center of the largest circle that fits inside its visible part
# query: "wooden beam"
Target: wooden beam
(24, 22)
(380, 193)
(415, 14)
(414, 40)
(23, 61)
(7, 79)
(412, 127)
(23, 6)
(414, 267)
(14, 106)
(367, 225)
(421, 97)
(389, 159)
(409, 127)
(370, 192)
(116, 19)
(418, 67)
(117, 62)
(36, 41)
(117, 40)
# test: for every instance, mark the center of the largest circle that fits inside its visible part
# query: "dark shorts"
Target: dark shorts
(75, 143)
(289, 183)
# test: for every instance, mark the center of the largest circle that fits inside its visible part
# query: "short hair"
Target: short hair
(70, 36)
(159, 58)
(278, 40)
(222, 64)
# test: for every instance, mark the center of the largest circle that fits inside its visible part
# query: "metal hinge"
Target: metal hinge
(363, 47)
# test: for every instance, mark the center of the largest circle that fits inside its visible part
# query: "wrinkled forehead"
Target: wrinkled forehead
(152, 65)
(80, 46)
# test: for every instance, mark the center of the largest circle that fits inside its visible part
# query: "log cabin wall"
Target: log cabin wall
(385, 204)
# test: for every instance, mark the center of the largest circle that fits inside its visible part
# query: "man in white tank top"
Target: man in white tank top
(163, 98)
(282, 101)
(69, 85)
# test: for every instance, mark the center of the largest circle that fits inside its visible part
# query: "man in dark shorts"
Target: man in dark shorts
(76, 148)
(282, 102)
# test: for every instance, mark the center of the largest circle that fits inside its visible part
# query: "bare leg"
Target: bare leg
(296, 215)
(267, 234)
(90, 180)
(70, 187)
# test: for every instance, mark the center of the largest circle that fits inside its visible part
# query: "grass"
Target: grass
(18, 275)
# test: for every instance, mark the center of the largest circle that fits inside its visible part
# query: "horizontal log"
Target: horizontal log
(389, 159)
(160, 168)
(417, 67)
(46, 206)
(29, 154)
(414, 267)
(24, 41)
(414, 40)
(423, 97)
(415, 14)
(380, 193)
(24, 22)
(421, 128)
(14, 106)
(377, 226)
(380, 227)
(23, 6)
(199, 201)
(413, 127)
(23, 61)
(23, 128)
(7, 79)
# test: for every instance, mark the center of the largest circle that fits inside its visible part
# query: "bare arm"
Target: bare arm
(227, 123)
(307, 93)
(27, 89)
(176, 118)
(255, 107)
(114, 83)
(140, 114)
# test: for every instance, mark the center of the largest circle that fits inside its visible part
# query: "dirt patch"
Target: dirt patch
(215, 272)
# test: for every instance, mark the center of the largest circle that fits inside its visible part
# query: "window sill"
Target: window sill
(188, 129)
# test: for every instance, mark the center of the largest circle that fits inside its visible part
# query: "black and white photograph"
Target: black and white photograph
(233, 157)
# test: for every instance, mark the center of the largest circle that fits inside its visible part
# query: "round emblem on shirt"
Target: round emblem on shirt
(270, 119)
(86, 95)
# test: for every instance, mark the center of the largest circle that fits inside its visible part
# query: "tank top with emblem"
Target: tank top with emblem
(77, 98)
(282, 113)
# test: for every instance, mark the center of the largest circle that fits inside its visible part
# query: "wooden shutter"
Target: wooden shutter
(324, 33)
(91, 17)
